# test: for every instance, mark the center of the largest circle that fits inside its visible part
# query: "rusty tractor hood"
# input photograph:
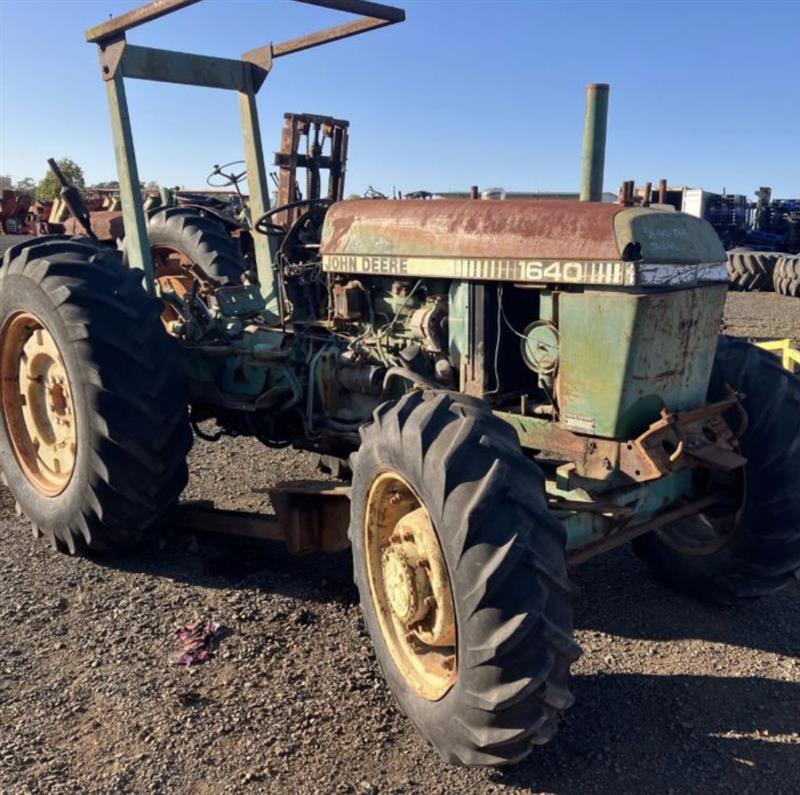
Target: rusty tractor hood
(536, 241)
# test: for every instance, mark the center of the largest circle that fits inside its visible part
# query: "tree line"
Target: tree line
(48, 188)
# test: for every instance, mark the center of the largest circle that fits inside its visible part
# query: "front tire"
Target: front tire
(491, 686)
(761, 553)
(94, 430)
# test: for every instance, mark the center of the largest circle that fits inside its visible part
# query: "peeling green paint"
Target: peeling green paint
(625, 356)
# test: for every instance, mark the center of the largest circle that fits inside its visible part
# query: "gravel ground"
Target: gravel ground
(673, 696)
(6, 241)
(762, 315)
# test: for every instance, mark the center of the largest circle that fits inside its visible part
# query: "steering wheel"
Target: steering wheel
(227, 179)
(263, 225)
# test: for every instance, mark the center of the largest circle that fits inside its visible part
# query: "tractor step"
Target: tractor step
(310, 516)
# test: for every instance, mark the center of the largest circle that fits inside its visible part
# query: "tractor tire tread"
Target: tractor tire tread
(202, 238)
(136, 399)
(763, 554)
(751, 270)
(505, 552)
(787, 276)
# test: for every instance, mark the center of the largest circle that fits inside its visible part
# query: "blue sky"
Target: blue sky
(491, 93)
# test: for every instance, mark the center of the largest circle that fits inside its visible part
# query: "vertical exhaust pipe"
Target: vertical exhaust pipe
(628, 188)
(594, 142)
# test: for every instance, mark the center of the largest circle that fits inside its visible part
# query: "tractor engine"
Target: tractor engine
(590, 328)
(593, 316)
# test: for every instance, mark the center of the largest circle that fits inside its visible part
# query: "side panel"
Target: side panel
(625, 356)
(467, 335)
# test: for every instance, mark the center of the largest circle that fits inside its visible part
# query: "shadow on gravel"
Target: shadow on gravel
(616, 594)
(619, 597)
(230, 563)
(692, 734)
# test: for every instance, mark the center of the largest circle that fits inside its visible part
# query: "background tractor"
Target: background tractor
(503, 388)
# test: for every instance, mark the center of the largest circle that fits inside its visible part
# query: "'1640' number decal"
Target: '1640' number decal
(538, 271)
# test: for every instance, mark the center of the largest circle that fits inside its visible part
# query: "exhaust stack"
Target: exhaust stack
(594, 142)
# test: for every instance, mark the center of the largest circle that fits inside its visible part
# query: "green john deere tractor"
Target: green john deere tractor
(504, 389)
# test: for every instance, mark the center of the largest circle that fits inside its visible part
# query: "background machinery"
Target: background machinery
(504, 389)
(762, 237)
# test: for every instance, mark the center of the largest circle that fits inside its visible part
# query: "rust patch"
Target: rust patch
(694, 438)
(106, 224)
(557, 230)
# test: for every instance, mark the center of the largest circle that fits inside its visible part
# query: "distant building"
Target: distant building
(512, 195)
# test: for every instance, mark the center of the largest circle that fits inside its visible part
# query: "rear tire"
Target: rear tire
(787, 276)
(504, 553)
(126, 396)
(751, 270)
(762, 553)
(201, 239)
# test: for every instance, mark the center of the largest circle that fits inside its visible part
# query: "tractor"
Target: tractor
(504, 389)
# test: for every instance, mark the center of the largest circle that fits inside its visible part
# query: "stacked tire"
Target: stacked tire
(787, 276)
(751, 271)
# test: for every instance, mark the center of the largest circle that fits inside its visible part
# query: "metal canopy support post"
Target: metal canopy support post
(119, 60)
(265, 245)
(137, 244)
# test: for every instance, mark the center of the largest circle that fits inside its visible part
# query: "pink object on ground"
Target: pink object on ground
(198, 641)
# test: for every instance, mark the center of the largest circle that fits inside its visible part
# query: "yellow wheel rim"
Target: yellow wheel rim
(410, 587)
(36, 404)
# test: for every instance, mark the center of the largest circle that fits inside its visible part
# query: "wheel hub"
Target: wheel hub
(410, 586)
(37, 405)
(407, 584)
